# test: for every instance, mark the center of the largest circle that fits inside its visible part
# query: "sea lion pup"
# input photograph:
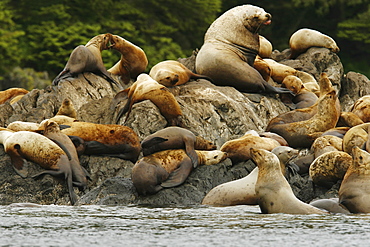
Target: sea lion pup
(176, 138)
(173, 73)
(106, 139)
(355, 187)
(133, 60)
(67, 109)
(305, 38)
(265, 49)
(356, 136)
(331, 205)
(87, 58)
(272, 189)
(26, 145)
(362, 108)
(168, 168)
(303, 97)
(238, 149)
(146, 88)
(51, 130)
(230, 47)
(11, 93)
(328, 168)
(242, 191)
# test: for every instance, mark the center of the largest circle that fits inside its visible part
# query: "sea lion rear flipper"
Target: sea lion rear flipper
(20, 164)
(190, 151)
(179, 175)
(153, 141)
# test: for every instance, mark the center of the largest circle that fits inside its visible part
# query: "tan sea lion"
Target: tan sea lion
(176, 138)
(272, 189)
(326, 143)
(298, 134)
(67, 109)
(173, 73)
(51, 130)
(303, 97)
(87, 58)
(362, 108)
(356, 136)
(239, 149)
(133, 59)
(20, 125)
(106, 139)
(265, 49)
(330, 167)
(349, 119)
(278, 70)
(354, 191)
(146, 88)
(168, 168)
(10, 93)
(242, 191)
(263, 68)
(26, 145)
(305, 38)
(230, 47)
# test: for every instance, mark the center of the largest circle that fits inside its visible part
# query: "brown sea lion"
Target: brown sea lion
(51, 130)
(146, 88)
(356, 136)
(176, 138)
(305, 38)
(349, 119)
(330, 167)
(362, 108)
(67, 109)
(11, 93)
(87, 58)
(354, 191)
(239, 149)
(168, 168)
(326, 143)
(26, 145)
(173, 73)
(230, 47)
(303, 97)
(242, 191)
(272, 189)
(265, 49)
(133, 60)
(106, 139)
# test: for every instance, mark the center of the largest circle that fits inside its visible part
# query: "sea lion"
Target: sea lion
(330, 167)
(168, 168)
(278, 70)
(305, 38)
(299, 134)
(87, 58)
(349, 119)
(11, 93)
(67, 109)
(51, 130)
(303, 97)
(362, 108)
(230, 47)
(173, 73)
(330, 204)
(133, 59)
(106, 139)
(265, 49)
(146, 88)
(354, 191)
(20, 125)
(263, 68)
(272, 189)
(238, 149)
(26, 145)
(242, 191)
(174, 138)
(356, 136)
(326, 143)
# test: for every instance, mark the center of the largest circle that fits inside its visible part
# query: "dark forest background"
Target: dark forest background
(37, 37)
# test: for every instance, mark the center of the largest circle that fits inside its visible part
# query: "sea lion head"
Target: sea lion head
(48, 126)
(166, 77)
(101, 41)
(264, 159)
(255, 17)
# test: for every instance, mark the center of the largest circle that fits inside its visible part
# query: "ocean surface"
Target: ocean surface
(53, 225)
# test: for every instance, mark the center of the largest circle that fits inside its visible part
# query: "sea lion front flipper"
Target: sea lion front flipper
(153, 141)
(179, 175)
(190, 151)
(20, 164)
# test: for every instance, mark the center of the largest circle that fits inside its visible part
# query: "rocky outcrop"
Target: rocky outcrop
(217, 113)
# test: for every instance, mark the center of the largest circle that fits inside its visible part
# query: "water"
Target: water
(175, 226)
